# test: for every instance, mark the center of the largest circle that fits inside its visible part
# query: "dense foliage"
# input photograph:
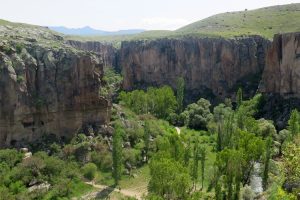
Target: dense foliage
(213, 156)
(160, 102)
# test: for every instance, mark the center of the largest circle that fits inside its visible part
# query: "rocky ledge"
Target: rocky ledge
(47, 87)
(212, 67)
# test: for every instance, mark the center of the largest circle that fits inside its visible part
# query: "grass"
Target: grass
(141, 180)
(264, 21)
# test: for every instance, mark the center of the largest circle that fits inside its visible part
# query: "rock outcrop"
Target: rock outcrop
(47, 87)
(282, 72)
(211, 67)
(105, 50)
(280, 82)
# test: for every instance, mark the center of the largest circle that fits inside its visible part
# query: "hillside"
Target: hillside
(264, 21)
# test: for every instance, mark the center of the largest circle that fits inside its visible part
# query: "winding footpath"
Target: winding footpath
(134, 192)
(178, 130)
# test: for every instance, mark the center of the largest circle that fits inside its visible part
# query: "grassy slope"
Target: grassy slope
(264, 21)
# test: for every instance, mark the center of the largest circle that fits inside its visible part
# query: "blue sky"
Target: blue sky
(122, 14)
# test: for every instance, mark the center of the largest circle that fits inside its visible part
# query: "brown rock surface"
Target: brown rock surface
(282, 72)
(48, 90)
(210, 66)
(105, 50)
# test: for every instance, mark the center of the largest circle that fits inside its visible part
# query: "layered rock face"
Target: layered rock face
(106, 51)
(281, 78)
(211, 67)
(48, 90)
(282, 72)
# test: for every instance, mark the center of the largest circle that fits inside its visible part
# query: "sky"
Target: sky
(112, 15)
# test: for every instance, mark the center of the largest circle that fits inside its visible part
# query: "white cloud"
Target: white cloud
(164, 23)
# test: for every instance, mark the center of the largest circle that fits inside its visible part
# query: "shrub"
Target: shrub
(10, 157)
(197, 115)
(89, 171)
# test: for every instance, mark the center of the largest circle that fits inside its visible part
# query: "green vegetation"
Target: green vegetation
(160, 102)
(264, 21)
(89, 171)
(117, 154)
(180, 94)
(112, 82)
(212, 156)
(197, 115)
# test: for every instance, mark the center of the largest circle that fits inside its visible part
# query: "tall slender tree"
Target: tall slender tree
(202, 159)
(117, 154)
(293, 123)
(147, 135)
(267, 162)
(239, 97)
(180, 94)
(195, 165)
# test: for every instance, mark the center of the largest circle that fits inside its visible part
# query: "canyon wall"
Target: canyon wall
(282, 72)
(280, 82)
(105, 50)
(212, 67)
(48, 90)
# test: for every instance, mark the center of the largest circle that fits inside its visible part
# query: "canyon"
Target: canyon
(53, 87)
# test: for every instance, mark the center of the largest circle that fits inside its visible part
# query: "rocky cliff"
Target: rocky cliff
(211, 67)
(282, 72)
(105, 50)
(47, 87)
(281, 78)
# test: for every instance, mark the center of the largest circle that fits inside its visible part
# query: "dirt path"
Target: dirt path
(134, 192)
(178, 130)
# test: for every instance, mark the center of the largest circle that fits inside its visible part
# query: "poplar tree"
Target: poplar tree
(239, 97)
(293, 123)
(180, 93)
(267, 162)
(202, 159)
(147, 135)
(117, 154)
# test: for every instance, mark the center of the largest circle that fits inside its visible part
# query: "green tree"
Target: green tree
(239, 97)
(293, 123)
(197, 115)
(267, 162)
(117, 154)
(89, 171)
(195, 166)
(291, 160)
(147, 135)
(169, 178)
(180, 94)
(202, 159)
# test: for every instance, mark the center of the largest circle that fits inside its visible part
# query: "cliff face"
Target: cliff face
(106, 51)
(210, 67)
(47, 90)
(282, 72)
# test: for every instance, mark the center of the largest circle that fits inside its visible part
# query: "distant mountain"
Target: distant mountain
(88, 31)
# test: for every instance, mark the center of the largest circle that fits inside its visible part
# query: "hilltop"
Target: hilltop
(264, 21)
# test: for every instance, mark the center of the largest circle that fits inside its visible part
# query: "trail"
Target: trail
(178, 130)
(103, 189)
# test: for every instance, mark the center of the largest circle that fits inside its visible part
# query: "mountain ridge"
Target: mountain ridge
(89, 31)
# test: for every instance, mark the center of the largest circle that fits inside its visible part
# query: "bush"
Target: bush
(197, 115)
(160, 102)
(89, 171)
(10, 157)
